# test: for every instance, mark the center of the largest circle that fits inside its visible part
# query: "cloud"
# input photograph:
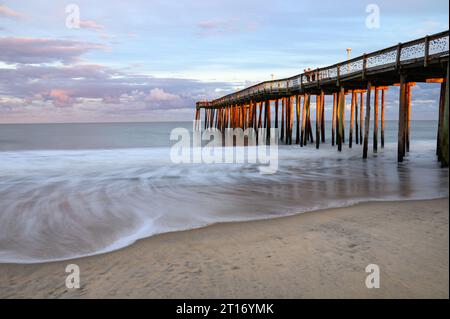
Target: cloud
(60, 98)
(43, 50)
(90, 24)
(75, 85)
(159, 96)
(10, 13)
(217, 27)
(429, 27)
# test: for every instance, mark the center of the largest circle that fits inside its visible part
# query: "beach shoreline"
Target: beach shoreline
(318, 254)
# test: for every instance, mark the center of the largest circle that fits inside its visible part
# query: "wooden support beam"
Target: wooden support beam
(231, 116)
(291, 118)
(361, 116)
(303, 131)
(218, 119)
(367, 121)
(255, 112)
(308, 124)
(333, 119)
(227, 116)
(375, 121)
(297, 108)
(444, 128)
(268, 119)
(265, 114)
(340, 114)
(196, 118)
(322, 116)
(209, 118)
(276, 113)
(224, 116)
(250, 114)
(352, 119)
(283, 106)
(288, 119)
(356, 118)
(440, 120)
(308, 131)
(260, 115)
(401, 119)
(224, 120)
(435, 80)
(382, 118)
(410, 84)
(318, 112)
(286, 126)
(343, 119)
(408, 117)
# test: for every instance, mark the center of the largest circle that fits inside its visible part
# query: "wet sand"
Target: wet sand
(320, 254)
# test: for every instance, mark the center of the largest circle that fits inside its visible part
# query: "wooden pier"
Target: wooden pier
(369, 75)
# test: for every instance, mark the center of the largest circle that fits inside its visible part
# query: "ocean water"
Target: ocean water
(71, 190)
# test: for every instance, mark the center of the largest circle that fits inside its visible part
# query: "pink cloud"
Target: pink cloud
(43, 50)
(8, 12)
(60, 98)
(158, 96)
(90, 24)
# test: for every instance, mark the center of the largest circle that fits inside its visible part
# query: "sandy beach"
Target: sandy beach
(320, 254)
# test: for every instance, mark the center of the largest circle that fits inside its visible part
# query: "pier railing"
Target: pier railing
(424, 49)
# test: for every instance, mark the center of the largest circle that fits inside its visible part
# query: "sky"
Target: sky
(151, 60)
